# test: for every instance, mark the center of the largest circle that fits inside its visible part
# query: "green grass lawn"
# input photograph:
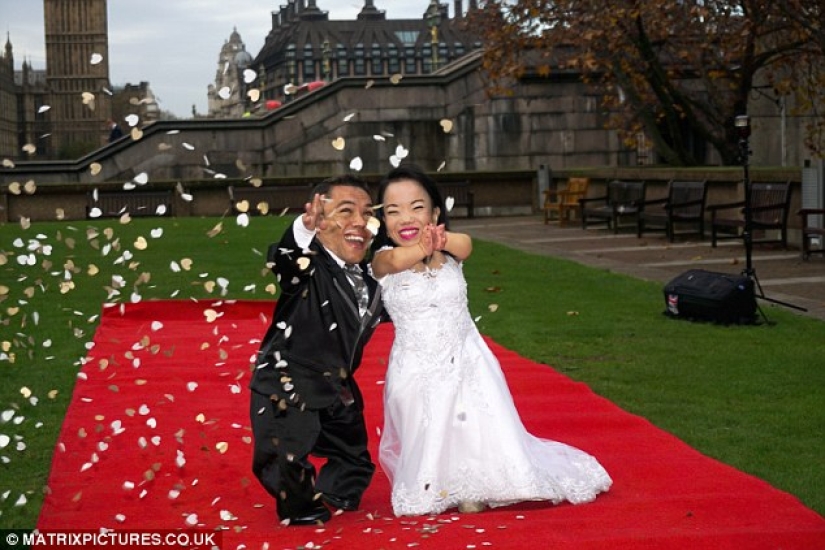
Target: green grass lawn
(748, 396)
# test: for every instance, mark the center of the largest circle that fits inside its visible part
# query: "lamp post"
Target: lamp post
(433, 20)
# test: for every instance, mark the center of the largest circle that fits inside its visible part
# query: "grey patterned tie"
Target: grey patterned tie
(357, 279)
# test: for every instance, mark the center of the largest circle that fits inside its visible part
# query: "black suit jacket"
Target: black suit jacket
(316, 339)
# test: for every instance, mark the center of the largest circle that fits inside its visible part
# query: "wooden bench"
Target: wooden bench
(114, 204)
(268, 199)
(810, 232)
(770, 203)
(684, 204)
(564, 201)
(461, 194)
(623, 199)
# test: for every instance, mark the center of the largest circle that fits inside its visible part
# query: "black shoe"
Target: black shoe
(319, 516)
(340, 503)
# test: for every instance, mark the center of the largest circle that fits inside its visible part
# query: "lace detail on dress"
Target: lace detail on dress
(429, 312)
(451, 430)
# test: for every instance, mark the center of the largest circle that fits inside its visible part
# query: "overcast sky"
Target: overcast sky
(174, 44)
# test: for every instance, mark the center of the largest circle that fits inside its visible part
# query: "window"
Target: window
(443, 54)
(342, 60)
(409, 61)
(407, 37)
(360, 63)
(393, 63)
(375, 58)
(309, 64)
(426, 59)
(291, 66)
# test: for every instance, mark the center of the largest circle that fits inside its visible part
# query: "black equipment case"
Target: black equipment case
(700, 295)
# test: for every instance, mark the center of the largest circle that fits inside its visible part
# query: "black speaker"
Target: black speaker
(700, 295)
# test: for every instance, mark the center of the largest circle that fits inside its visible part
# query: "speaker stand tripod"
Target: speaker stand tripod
(743, 126)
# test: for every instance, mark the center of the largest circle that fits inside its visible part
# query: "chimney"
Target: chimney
(458, 9)
(369, 11)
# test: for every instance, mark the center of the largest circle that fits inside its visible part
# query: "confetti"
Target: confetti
(373, 224)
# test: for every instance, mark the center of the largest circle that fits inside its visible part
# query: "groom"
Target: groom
(304, 400)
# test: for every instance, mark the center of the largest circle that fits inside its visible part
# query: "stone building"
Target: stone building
(305, 46)
(228, 95)
(77, 75)
(24, 102)
(61, 111)
(135, 99)
(8, 103)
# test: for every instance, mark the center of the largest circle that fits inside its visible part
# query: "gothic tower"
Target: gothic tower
(77, 74)
(228, 95)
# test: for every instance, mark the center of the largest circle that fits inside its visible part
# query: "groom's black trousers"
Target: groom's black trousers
(284, 440)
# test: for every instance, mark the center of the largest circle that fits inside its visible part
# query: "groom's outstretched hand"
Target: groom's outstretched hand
(313, 216)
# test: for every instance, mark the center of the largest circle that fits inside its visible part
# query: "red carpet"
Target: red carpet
(157, 437)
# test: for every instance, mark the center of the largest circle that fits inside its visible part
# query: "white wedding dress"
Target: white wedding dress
(451, 430)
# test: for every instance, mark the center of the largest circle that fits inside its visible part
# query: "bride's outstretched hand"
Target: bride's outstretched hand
(439, 237)
(427, 242)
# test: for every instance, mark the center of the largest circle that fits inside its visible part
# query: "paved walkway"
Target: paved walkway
(782, 274)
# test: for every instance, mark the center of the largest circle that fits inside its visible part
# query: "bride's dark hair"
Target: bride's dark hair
(416, 174)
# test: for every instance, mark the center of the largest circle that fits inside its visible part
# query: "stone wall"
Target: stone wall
(555, 123)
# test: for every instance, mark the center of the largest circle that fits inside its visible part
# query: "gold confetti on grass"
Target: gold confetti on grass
(216, 230)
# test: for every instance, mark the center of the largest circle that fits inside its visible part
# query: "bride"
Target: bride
(452, 436)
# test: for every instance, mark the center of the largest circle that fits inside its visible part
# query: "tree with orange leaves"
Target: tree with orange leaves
(679, 71)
